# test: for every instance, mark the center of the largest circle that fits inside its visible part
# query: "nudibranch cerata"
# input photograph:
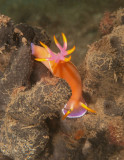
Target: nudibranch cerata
(60, 66)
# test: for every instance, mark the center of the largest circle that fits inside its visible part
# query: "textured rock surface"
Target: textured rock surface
(30, 120)
(103, 84)
(111, 20)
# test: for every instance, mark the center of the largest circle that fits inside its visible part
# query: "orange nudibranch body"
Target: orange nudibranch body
(61, 67)
(68, 72)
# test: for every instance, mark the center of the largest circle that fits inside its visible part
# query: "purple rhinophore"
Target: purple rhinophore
(32, 48)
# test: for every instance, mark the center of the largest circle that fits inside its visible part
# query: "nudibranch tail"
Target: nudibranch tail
(65, 41)
(47, 48)
(57, 43)
(61, 55)
(44, 45)
(67, 59)
(41, 59)
(71, 50)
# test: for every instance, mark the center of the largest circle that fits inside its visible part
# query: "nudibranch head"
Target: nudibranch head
(75, 109)
(77, 112)
(61, 55)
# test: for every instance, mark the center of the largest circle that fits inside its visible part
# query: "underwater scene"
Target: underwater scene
(62, 80)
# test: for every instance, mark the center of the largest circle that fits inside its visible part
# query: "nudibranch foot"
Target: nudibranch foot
(75, 113)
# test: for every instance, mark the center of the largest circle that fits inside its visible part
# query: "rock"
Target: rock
(23, 133)
(2, 157)
(103, 86)
(111, 20)
(105, 70)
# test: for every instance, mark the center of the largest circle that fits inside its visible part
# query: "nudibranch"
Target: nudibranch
(60, 66)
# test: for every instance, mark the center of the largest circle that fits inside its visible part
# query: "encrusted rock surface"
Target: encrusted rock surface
(103, 84)
(31, 99)
(24, 106)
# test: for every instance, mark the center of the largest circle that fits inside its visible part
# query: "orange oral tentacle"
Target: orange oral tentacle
(87, 108)
(67, 113)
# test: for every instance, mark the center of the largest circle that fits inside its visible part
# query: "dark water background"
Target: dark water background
(78, 19)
